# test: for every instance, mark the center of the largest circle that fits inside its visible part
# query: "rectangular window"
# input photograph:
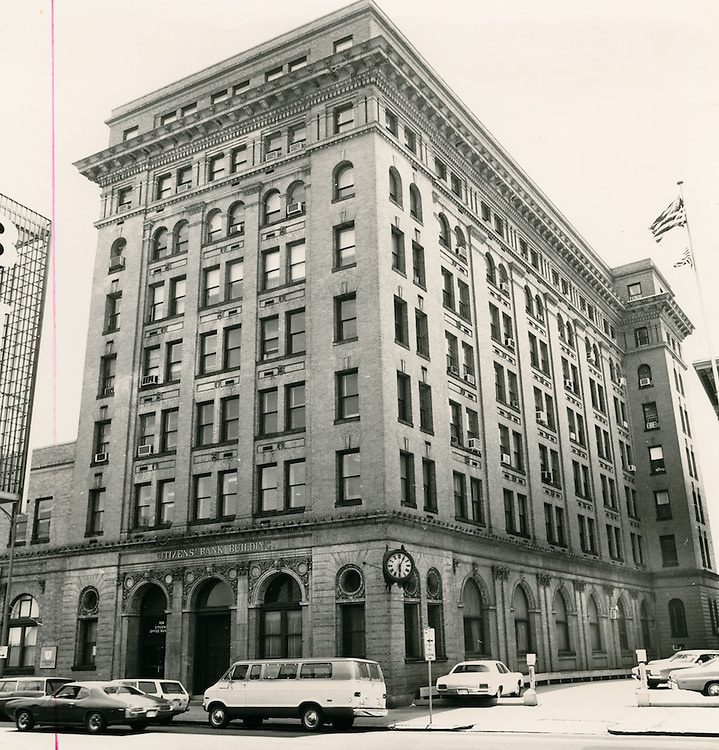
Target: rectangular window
(475, 497)
(429, 485)
(404, 398)
(202, 509)
(238, 158)
(641, 336)
(494, 328)
(401, 326)
(343, 118)
(406, 479)
(231, 347)
(269, 414)
(418, 266)
(447, 289)
(208, 352)
(112, 312)
(41, 522)
(422, 333)
(295, 487)
(269, 337)
(146, 432)
(107, 375)
(663, 505)
(426, 419)
(345, 318)
(295, 328)
(227, 493)
(166, 501)
(215, 167)
(295, 406)
(347, 395)
(268, 489)
(668, 548)
(143, 506)
(178, 288)
(344, 237)
(230, 418)
(211, 286)
(390, 121)
(95, 511)
(411, 630)
(173, 361)
(296, 262)
(656, 460)
(398, 259)
(156, 302)
(86, 643)
(270, 269)
(234, 280)
(349, 477)
(205, 423)
(163, 186)
(169, 427)
(459, 483)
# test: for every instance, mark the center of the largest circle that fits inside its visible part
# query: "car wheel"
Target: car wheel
(95, 722)
(712, 689)
(520, 689)
(311, 717)
(23, 720)
(498, 694)
(218, 716)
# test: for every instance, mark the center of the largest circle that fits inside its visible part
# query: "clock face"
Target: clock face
(398, 565)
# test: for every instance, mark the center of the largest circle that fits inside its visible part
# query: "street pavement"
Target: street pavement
(592, 708)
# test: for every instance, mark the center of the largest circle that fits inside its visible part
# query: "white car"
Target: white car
(171, 690)
(658, 670)
(480, 678)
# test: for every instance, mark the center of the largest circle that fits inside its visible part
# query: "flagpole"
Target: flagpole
(697, 278)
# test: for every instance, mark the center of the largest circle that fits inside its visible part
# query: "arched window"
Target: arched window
(395, 186)
(443, 230)
(281, 620)
(561, 623)
(213, 225)
(560, 327)
(22, 636)
(117, 249)
(236, 218)
(86, 639)
(296, 198)
(503, 279)
(677, 619)
(459, 238)
(491, 270)
(622, 631)
(415, 202)
(644, 376)
(595, 633)
(538, 308)
(344, 181)
(522, 629)
(528, 300)
(272, 207)
(473, 620)
(160, 244)
(570, 335)
(181, 237)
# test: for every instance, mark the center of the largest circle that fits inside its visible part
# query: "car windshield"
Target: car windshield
(682, 657)
(471, 668)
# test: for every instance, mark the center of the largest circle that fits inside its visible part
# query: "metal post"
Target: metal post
(429, 674)
(8, 583)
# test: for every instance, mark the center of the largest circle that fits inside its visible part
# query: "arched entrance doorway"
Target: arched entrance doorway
(152, 632)
(281, 619)
(212, 634)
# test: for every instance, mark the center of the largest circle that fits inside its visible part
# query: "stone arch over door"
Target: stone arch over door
(212, 604)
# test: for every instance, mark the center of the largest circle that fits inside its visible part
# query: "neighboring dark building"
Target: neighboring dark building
(332, 318)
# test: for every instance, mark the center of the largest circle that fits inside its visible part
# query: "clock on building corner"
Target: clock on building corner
(397, 565)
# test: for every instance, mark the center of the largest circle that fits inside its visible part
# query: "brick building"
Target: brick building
(332, 318)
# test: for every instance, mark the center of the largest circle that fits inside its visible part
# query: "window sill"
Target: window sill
(83, 668)
(348, 503)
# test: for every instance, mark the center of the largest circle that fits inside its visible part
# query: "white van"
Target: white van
(316, 691)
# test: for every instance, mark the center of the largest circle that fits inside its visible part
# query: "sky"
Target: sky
(606, 105)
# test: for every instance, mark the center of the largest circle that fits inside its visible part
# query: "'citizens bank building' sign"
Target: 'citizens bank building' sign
(237, 548)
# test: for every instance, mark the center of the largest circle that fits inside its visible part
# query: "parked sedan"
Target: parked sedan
(171, 690)
(480, 678)
(703, 678)
(94, 705)
(28, 687)
(658, 669)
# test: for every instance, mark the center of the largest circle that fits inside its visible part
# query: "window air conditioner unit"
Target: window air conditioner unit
(547, 476)
(183, 186)
(514, 404)
(100, 458)
(644, 382)
(295, 208)
(569, 384)
(541, 417)
(622, 381)
(149, 380)
(272, 155)
(572, 435)
(631, 468)
(469, 378)
(117, 261)
(298, 146)
(509, 342)
(505, 458)
(110, 391)
(503, 286)
(625, 424)
(452, 370)
(145, 450)
(652, 425)
(475, 446)
(454, 440)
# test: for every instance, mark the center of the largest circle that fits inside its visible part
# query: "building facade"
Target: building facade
(332, 319)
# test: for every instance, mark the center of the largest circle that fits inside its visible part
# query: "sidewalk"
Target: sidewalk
(563, 709)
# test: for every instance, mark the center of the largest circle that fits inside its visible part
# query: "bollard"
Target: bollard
(530, 695)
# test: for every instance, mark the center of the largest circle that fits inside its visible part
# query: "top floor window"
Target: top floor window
(344, 118)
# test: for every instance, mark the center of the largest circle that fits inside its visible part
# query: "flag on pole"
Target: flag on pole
(672, 216)
(685, 260)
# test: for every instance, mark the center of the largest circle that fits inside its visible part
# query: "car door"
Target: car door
(59, 708)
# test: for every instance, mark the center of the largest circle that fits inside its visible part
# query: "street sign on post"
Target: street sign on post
(429, 655)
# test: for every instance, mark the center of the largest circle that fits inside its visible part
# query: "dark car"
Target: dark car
(28, 687)
(94, 705)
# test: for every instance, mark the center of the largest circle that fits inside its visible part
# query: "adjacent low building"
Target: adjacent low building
(350, 374)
